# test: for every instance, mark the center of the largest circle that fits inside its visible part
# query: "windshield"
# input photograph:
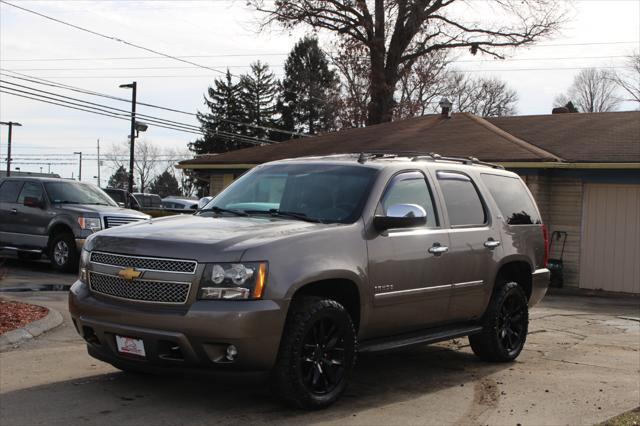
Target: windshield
(77, 193)
(327, 193)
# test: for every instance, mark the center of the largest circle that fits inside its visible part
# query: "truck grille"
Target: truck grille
(139, 290)
(111, 221)
(145, 263)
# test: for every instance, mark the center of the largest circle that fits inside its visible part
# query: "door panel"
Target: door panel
(9, 191)
(410, 285)
(32, 221)
(474, 245)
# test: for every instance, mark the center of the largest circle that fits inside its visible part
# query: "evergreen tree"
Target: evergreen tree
(225, 112)
(259, 91)
(309, 90)
(165, 185)
(571, 107)
(119, 179)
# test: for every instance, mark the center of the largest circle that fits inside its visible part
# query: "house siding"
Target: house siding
(560, 199)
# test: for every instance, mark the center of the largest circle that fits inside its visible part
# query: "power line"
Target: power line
(42, 81)
(224, 135)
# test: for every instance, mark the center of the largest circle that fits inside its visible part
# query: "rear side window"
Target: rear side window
(411, 188)
(461, 197)
(31, 190)
(512, 199)
(9, 191)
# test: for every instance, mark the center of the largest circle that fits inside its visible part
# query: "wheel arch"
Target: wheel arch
(342, 290)
(519, 270)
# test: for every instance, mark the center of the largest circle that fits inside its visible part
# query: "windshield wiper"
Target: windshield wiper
(217, 209)
(295, 215)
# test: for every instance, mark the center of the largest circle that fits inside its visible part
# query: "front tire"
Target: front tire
(505, 327)
(63, 253)
(317, 353)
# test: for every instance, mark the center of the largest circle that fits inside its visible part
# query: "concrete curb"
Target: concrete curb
(31, 330)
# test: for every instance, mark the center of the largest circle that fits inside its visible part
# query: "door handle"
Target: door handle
(14, 211)
(491, 243)
(436, 249)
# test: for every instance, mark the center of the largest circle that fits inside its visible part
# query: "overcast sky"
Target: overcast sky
(222, 34)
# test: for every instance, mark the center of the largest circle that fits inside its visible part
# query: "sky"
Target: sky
(220, 34)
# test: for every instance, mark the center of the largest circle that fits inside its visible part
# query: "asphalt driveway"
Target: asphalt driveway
(581, 365)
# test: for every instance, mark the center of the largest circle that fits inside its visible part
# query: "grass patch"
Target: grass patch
(630, 418)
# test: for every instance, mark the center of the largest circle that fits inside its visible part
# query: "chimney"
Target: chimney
(446, 105)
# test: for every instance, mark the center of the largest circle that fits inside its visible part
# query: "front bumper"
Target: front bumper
(539, 285)
(195, 337)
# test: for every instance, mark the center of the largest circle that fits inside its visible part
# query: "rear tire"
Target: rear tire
(505, 327)
(63, 253)
(317, 353)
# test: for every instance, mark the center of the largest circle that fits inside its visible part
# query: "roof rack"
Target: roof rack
(417, 156)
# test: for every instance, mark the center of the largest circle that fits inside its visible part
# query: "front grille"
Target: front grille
(139, 290)
(111, 221)
(145, 263)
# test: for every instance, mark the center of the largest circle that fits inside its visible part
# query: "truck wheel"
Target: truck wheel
(505, 325)
(63, 253)
(317, 353)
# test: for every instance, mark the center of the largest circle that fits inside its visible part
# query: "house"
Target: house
(583, 170)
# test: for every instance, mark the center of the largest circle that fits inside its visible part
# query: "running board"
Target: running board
(422, 337)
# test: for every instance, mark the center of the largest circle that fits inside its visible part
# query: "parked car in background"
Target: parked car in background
(300, 264)
(54, 217)
(204, 201)
(122, 197)
(173, 203)
(147, 201)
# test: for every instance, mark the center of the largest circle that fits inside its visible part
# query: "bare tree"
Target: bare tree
(629, 80)
(146, 160)
(354, 84)
(421, 87)
(483, 96)
(593, 90)
(397, 33)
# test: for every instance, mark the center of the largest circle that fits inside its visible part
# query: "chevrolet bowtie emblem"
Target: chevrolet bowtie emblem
(129, 274)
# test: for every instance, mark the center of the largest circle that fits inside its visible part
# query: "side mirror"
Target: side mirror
(401, 216)
(33, 202)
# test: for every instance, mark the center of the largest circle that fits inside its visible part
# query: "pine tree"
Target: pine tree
(309, 90)
(119, 179)
(165, 185)
(259, 91)
(222, 120)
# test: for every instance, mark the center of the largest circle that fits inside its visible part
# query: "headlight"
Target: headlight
(82, 270)
(233, 281)
(92, 223)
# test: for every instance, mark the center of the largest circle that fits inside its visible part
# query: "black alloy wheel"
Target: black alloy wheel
(317, 353)
(505, 325)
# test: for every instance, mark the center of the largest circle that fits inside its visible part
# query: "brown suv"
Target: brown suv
(301, 264)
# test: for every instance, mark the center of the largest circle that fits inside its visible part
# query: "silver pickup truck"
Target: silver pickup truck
(54, 217)
(301, 264)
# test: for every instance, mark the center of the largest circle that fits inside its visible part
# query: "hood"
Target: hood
(198, 237)
(99, 210)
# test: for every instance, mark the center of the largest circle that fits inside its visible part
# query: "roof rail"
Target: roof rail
(363, 157)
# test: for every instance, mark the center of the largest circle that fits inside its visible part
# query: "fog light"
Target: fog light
(232, 352)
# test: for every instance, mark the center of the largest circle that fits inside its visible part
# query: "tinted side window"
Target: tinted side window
(32, 190)
(512, 199)
(411, 188)
(9, 191)
(461, 197)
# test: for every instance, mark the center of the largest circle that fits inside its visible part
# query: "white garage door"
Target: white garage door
(610, 254)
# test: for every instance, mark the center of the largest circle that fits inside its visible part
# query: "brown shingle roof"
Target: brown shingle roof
(596, 138)
(462, 135)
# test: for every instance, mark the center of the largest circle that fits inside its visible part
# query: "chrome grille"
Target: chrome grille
(111, 221)
(145, 263)
(139, 290)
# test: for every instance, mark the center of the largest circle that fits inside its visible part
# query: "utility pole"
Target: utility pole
(98, 162)
(134, 87)
(10, 124)
(79, 166)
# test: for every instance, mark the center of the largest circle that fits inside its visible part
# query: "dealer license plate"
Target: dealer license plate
(131, 346)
